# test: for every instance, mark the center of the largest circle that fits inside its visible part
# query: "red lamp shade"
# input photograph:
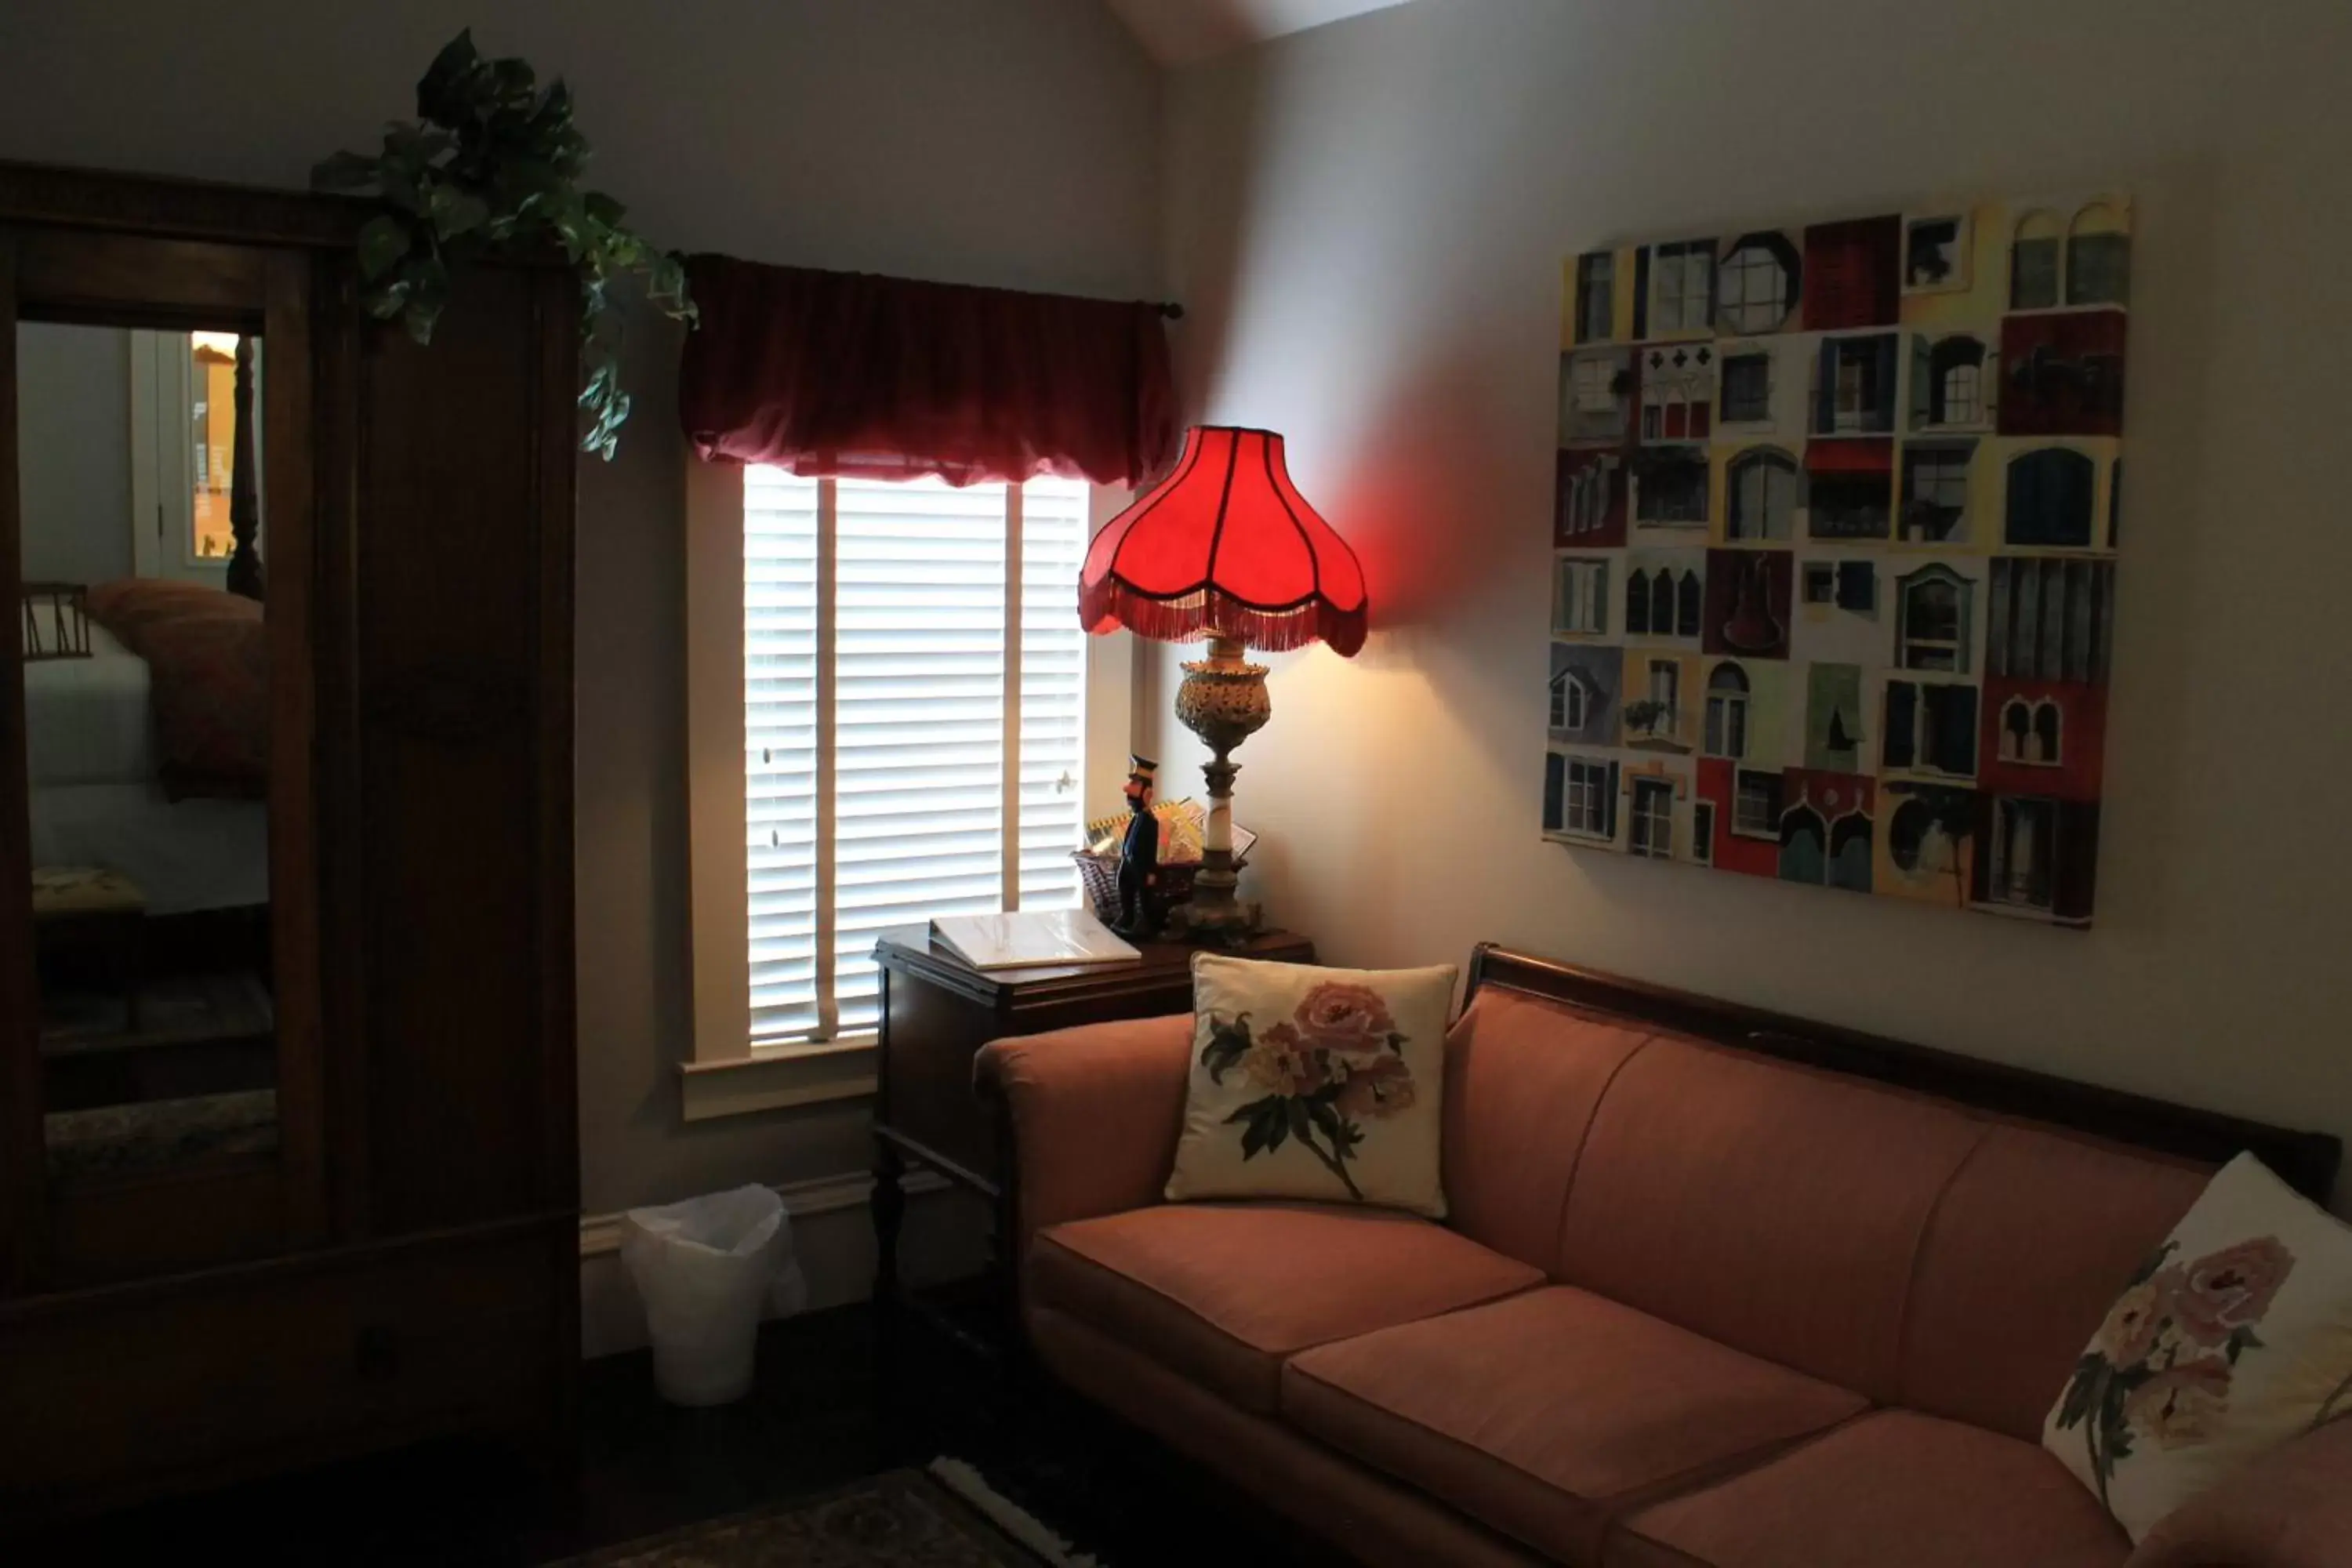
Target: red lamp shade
(1225, 544)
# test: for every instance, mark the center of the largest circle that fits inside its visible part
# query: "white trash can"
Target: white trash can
(706, 1269)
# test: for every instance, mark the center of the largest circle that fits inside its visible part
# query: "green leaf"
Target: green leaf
(385, 303)
(1253, 1139)
(2082, 1391)
(603, 209)
(383, 240)
(442, 91)
(455, 212)
(1276, 1125)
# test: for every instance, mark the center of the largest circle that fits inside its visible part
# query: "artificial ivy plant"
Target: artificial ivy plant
(491, 159)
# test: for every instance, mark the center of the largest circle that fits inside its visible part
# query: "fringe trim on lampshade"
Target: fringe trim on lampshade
(1109, 604)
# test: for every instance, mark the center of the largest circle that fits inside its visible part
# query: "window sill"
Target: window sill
(778, 1079)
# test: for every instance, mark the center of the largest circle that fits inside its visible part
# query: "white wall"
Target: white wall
(1010, 143)
(73, 446)
(1367, 224)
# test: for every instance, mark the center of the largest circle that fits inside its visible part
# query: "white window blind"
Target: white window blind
(914, 722)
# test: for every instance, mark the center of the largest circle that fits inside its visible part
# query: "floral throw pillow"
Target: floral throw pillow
(2234, 1337)
(1315, 1083)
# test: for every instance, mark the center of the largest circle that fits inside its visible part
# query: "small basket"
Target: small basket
(1099, 873)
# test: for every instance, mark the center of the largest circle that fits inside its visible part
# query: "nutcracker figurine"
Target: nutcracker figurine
(1138, 857)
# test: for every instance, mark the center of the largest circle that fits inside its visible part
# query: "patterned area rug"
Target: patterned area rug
(905, 1518)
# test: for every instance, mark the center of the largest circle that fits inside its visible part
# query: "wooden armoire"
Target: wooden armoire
(401, 1257)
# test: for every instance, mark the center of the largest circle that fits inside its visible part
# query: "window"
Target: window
(1671, 489)
(2050, 617)
(1933, 630)
(1665, 693)
(1935, 254)
(914, 722)
(1853, 393)
(2050, 498)
(182, 398)
(1588, 799)
(1948, 384)
(1572, 701)
(1581, 597)
(1931, 727)
(1935, 494)
(1682, 286)
(1763, 494)
(1679, 392)
(1857, 587)
(1756, 805)
(1595, 293)
(1654, 818)
(1756, 296)
(1959, 393)
(2033, 263)
(2098, 257)
(2030, 733)
(1747, 389)
(1659, 604)
(1591, 488)
(2044, 747)
(2024, 852)
(1727, 711)
(1593, 379)
(2016, 729)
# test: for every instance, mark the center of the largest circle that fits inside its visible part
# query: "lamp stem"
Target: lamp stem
(1224, 701)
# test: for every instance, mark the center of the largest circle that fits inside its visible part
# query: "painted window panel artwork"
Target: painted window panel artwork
(1834, 549)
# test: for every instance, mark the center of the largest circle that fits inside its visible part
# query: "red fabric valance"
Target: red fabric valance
(845, 373)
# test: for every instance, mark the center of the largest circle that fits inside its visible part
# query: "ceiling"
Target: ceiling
(1179, 32)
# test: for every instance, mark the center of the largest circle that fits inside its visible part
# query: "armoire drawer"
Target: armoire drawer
(298, 1360)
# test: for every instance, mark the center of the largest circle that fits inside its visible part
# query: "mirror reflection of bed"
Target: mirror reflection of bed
(146, 743)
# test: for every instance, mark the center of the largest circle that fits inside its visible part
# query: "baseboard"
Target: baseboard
(946, 1237)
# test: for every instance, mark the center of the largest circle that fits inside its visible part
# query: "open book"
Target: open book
(1031, 941)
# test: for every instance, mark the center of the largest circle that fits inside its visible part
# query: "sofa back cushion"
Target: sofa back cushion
(2031, 1243)
(1522, 1079)
(1770, 1206)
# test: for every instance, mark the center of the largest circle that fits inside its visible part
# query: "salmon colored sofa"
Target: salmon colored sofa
(1696, 1304)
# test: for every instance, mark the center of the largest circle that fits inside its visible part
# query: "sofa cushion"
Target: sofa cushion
(1523, 1076)
(1893, 1487)
(1772, 1207)
(1224, 1292)
(2027, 1249)
(1544, 1415)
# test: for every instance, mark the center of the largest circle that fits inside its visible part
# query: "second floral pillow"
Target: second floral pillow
(1315, 1083)
(2235, 1337)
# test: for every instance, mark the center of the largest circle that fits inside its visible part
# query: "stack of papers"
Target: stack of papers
(1031, 941)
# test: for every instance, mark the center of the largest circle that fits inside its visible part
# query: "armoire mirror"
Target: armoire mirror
(161, 443)
(146, 744)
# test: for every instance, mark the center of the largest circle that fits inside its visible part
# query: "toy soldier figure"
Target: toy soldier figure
(1138, 857)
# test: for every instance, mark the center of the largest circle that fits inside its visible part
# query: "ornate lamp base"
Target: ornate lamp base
(1224, 700)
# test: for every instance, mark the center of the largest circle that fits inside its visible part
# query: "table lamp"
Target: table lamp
(1226, 549)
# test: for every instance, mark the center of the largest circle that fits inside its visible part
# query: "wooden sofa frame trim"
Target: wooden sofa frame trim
(2307, 1162)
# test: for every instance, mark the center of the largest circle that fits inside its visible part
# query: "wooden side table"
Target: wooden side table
(937, 1013)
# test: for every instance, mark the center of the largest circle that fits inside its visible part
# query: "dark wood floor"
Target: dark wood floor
(828, 1408)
